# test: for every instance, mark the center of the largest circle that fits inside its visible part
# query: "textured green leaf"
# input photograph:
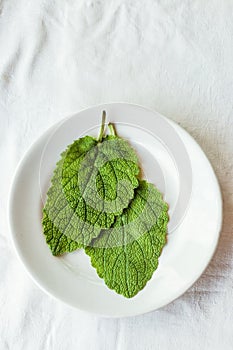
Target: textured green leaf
(127, 254)
(92, 183)
(59, 243)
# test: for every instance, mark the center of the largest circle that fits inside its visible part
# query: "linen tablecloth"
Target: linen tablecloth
(176, 57)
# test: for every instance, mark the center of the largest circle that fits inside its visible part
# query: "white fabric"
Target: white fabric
(176, 57)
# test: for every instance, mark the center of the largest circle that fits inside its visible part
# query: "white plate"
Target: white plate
(172, 160)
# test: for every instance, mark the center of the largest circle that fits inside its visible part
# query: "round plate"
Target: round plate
(170, 159)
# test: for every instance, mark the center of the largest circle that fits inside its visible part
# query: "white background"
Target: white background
(176, 57)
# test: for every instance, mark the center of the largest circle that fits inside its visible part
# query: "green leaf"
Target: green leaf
(59, 243)
(127, 254)
(92, 183)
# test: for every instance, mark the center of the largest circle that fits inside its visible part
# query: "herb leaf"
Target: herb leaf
(92, 183)
(126, 255)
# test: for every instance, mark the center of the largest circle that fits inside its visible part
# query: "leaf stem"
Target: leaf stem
(112, 129)
(101, 134)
